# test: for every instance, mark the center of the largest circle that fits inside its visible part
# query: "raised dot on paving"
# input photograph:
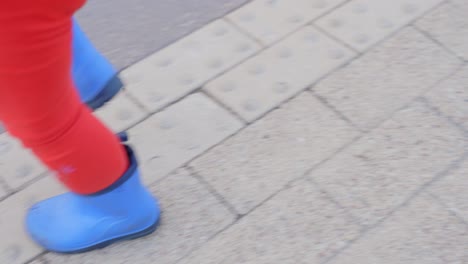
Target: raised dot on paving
(166, 124)
(24, 171)
(285, 53)
(319, 4)
(220, 31)
(384, 23)
(337, 54)
(295, 19)
(280, 87)
(360, 8)
(124, 114)
(154, 96)
(335, 23)
(121, 113)
(256, 69)
(251, 105)
(247, 17)
(5, 146)
(179, 133)
(361, 38)
(359, 14)
(186, 79)
(276, 19)
(17, 164)
(311, 37)
(164, 62)
(310, 62)
(175, 71)
(215, 63)
(228, 86)
(409, 8)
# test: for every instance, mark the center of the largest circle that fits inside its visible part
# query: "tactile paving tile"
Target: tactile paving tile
(362, 23)
(179, 133)
(17, 164)
(270, 20)
(182, 67)
(266, 80)
(15, 246)
(121, 113)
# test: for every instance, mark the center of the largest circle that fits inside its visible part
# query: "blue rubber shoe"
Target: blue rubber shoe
(95, 78)
(72, 223)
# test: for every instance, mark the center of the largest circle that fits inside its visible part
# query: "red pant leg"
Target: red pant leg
(40, 106)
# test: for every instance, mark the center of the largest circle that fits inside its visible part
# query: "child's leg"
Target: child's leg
(38, 103)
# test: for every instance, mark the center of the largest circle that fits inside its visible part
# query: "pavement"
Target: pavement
(288, 132)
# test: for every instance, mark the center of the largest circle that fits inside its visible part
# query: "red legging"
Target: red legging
(39, 103)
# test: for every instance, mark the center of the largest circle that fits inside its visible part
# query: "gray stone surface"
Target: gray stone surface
(3, 191)
(270, 21)
(186, 65)
(39, 260)
(276, 74)
(173, 137)
(448, 24)
(422, 232)
(369, 89)
(191, 215)
(451, 97)
(382, 169)
(452, 190)
(363, 23)
(299, 225)
(262, 158)
(308, 186)
(15, 246)
(121, 113)
(18, 165)
(127, 31)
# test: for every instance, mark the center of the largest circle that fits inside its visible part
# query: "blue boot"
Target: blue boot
(95, 78)
(72, 223)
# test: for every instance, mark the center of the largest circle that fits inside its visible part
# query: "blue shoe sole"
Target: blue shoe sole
(112, 87)
(104, 244)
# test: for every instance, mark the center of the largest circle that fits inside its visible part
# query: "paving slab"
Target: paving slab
(452, 191)
(17, 164)
(16, 246)
(448, 24)
(385, 167)
(191, 216)
(271, 20)
(422, 232)
(386, 78)
(127, 31)
(259, 160)
(186, 65)
(299, 225)
(178, 134)
(451, 97)
(121, 113)
(274, 75)
(363, 23)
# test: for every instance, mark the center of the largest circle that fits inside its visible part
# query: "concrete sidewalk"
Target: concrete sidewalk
(299, 131)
